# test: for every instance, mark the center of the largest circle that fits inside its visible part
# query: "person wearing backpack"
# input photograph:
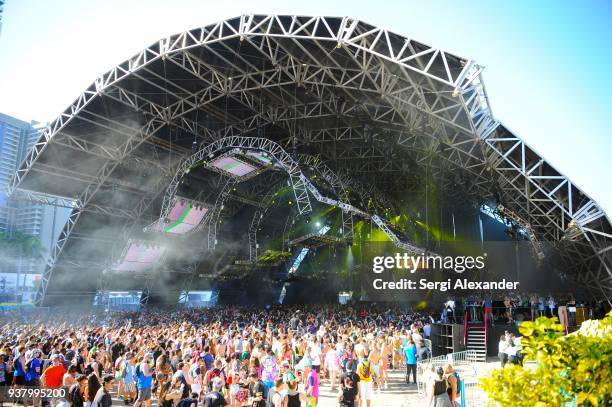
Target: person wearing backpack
(145, 381)
(349, 387)
(214, 373)
(366, 392)
(454, 384)
(275, 394)
(125, 374)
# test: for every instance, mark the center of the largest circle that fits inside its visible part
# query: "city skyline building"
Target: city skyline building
(33, 219)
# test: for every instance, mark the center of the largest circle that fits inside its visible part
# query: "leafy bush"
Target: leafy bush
(570, 370)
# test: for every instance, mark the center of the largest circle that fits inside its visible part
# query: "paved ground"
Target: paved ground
(398, 394)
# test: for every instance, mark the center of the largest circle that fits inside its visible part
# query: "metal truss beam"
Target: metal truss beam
(275, 151)
(300, 72)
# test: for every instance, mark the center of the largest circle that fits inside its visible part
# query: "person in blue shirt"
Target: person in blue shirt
(208, 358)
(19, 367)
(33, 369)
(410, 356)
(145, 381)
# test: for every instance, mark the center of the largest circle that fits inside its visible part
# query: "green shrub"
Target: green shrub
(570, 370)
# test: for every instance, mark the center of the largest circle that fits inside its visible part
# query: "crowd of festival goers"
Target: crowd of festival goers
(514, 307)
(276, 356)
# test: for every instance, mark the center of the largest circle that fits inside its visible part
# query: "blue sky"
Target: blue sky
(547, 63)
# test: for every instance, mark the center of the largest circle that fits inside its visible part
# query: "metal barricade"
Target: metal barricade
(464, 365)
(473, 395)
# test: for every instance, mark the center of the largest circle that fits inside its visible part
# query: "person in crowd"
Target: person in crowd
(295, 398)
(511, 350)
(374, 358)
(387, 357)
(312, 387)
(427, 329)
(103, 395)
(69, 378)
(508, 306)
(397, 351)
(163, 372)
(410, 357)
(33, 366)
(54, 374)
(437, 390)
(256, 390)
(366, 393)
(94, 366)
(145, 381)
(502, 350)
(423, 352)
(76, 392)
(215, 372)
(191, 401)
(33, 369)
(80, 360)
(450, 310)
(91, 389)
(126, 375)
(276, 398)
(452, 378)
(332, 366)
(541, 306)
(215, 398)
(348, 396)
(533, 303)
(429, 373)
(270, 369)
(5, 370)
(314, 350)
(551, 305)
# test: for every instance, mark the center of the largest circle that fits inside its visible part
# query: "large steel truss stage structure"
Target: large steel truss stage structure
(359, 105)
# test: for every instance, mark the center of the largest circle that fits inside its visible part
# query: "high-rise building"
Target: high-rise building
(44, 222)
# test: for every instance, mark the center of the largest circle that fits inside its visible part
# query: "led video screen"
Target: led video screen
(233, 166)
(260, 157)
(139, 257)
(184, 217)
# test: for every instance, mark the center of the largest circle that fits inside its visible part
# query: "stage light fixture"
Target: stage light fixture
(318, 224)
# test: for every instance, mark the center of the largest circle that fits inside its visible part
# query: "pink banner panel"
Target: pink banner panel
(233, 166)
(139, 257)
(177, 210)
(195, 216)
